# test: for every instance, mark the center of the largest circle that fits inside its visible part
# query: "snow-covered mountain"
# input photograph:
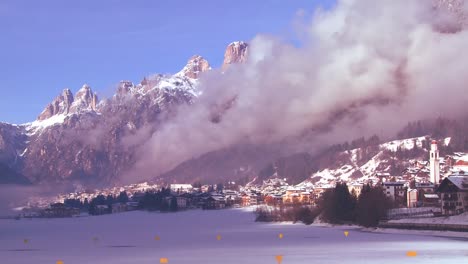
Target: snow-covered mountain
(79, 137)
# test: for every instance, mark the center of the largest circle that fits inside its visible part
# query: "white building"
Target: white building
(394, 190)
(412, 198)
(434, 163)
(181, 188)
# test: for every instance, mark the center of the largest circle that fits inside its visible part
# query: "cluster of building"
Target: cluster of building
(418, 186)
(437, 183)
(448, 191)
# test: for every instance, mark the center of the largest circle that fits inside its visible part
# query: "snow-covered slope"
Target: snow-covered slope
(79, 137)
(381, 161)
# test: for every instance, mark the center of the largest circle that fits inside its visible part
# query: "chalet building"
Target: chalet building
(232, 200)
(430, 200)
(295, 196)
(198, 199)
(253, 199)
(395, 191)
(382, 176)
(119, 208)
(426, 194)
(454, 194)
(273, 199)
(214, 202)
(131, 206)
(181, 202)
(425, 187)
(249, 199)
(305, 198)
(101, 209)
(59, 210)
(291, 198)
(245, 200)
(449, 161)
(319, 190)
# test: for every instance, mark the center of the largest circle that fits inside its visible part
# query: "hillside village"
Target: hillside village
(432, 187)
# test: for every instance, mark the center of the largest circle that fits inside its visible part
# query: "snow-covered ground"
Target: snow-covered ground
(191, 237)
(461, 219)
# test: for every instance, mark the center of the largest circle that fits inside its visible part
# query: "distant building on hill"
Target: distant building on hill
(181, 188)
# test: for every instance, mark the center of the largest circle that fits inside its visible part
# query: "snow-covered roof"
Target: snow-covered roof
(459, 180)
(431, 196)
(393, 183)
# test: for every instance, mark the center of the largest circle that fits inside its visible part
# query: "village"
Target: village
(422, 190)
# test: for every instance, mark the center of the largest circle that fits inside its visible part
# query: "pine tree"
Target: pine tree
(173, 206)
(372, 206)
(123, 197)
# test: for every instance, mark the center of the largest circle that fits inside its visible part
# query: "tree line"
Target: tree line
(339, 206)
(335, 206)
(90, 206)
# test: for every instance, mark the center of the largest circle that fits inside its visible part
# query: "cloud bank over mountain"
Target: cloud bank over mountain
(362, 67)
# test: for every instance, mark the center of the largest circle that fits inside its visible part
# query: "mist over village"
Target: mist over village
(338, 136)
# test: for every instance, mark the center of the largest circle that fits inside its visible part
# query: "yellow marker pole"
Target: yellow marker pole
(163, 260)
(157, 238)
(26, 241)
(59, 262)
(411, 254)
(279, 258)
(218, 237)
(280, 235)
(346, 233)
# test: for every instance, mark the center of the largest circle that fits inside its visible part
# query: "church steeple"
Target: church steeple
(434, 163)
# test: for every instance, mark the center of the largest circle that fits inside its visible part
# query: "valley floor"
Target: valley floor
(209, 237)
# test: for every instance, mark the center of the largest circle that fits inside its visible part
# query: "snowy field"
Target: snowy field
(461, 219)
(192, 237)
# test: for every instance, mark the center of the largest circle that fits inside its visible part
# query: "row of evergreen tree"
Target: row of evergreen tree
(339, 206)
(90, 206)
(440, 128)
(161, 200)
(336, 206)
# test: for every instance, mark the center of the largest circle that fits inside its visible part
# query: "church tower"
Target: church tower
(434, 163)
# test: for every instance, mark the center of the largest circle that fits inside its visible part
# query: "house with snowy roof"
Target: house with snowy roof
(454, 194)
(181, 188)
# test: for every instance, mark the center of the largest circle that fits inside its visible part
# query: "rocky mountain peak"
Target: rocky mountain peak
(85, 99)
(60, 105)
(66, 103)
(125, 87)
(195, 66)
(236, 52)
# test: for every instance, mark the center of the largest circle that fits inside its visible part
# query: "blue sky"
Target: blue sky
(50, 45)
